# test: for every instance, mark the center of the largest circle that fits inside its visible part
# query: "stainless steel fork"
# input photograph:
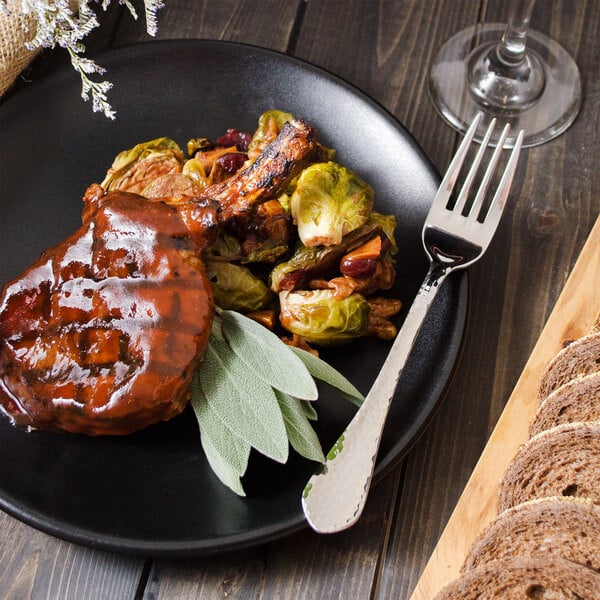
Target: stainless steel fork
(334, 497)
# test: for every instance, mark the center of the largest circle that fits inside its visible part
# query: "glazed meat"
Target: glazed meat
(100, 334)
(103, 333)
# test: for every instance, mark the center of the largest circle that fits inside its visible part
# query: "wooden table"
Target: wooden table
(384, 47)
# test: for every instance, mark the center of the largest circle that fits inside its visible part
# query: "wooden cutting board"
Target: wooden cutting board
(571, 318)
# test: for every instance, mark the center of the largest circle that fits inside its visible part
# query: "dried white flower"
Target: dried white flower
(65, 23)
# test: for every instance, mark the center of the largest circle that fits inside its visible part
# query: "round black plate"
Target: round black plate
(153, 492)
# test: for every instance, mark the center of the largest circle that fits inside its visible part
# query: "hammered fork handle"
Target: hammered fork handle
(334, 502)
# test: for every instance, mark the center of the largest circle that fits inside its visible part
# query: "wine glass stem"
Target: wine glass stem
(512, 46)
(505, 76)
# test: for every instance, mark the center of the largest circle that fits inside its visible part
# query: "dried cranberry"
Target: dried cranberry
(233, 137)
(361, 268)
(231, 162)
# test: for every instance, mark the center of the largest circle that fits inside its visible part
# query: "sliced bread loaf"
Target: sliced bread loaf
(575, 360)
(562, 461)
(576, 400)
(518, 578)
(559, 526)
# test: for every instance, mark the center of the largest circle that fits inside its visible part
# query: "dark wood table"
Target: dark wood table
(383, 47)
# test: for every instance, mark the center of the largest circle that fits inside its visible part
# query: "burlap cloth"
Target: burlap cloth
(15, 30)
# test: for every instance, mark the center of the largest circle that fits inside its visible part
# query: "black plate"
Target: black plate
(152, 492)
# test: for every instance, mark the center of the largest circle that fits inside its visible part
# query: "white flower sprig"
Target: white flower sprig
(65, 23)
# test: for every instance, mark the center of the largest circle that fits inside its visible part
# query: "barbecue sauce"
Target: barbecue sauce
(101, 335)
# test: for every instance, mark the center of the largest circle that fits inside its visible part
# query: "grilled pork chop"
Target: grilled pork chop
(103, 333)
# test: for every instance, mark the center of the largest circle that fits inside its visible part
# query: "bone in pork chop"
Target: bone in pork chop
(103, 333)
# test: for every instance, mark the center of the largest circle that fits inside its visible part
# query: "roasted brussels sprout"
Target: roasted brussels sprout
(173, 186)
(266, 233)
(134, 169)
(269, 125)
(387, 223)
(284, 202)
(320, 318)
(198, 145)
(235, 287)
(194, 170)
(267, 251)
(329, 201)
(227, 246)
(319, 261)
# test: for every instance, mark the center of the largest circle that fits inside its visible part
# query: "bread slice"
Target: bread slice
(579, 358)
(558, 526)
(576, 400)
(537, 577)
(596, 325)
(562, 461)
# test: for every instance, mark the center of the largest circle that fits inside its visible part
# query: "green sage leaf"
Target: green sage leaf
(235, 450)
(245, 403)
(221, 468)
(325, 372)
(227, 454)
(302, 436)
(309, 410)
(267, 356)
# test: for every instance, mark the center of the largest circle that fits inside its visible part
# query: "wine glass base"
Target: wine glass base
(551, 114)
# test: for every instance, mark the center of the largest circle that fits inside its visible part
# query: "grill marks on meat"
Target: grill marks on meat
(103, 333)
(99, 335)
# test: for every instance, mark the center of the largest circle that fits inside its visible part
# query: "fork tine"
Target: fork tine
(449, 180)
(499, 200)
(487, 177)
(464, 192)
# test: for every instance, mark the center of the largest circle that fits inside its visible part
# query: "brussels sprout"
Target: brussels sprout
(269, 126)
(194, 169)
(235, 287)
(266, 233)
(227, 246)
(285, 202)
(173, 186)
(267, 251)
(329, 201)
(320, 318)
(319, 261)
(134, 169)
(198, 145)
(387, 223)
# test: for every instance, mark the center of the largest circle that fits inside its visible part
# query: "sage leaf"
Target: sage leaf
(233, 449)
(319, 369)
(245, 403)
(226, 453)
(302, 436)
(267, 356)
(221, 468)
(309, 410)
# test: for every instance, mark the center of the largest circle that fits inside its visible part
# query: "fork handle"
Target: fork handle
(335, 495)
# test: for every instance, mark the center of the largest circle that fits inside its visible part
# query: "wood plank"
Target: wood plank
(385, 51)
(266, 23)
(38, 566)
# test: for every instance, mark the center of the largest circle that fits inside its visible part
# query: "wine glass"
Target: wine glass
(507, 71)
